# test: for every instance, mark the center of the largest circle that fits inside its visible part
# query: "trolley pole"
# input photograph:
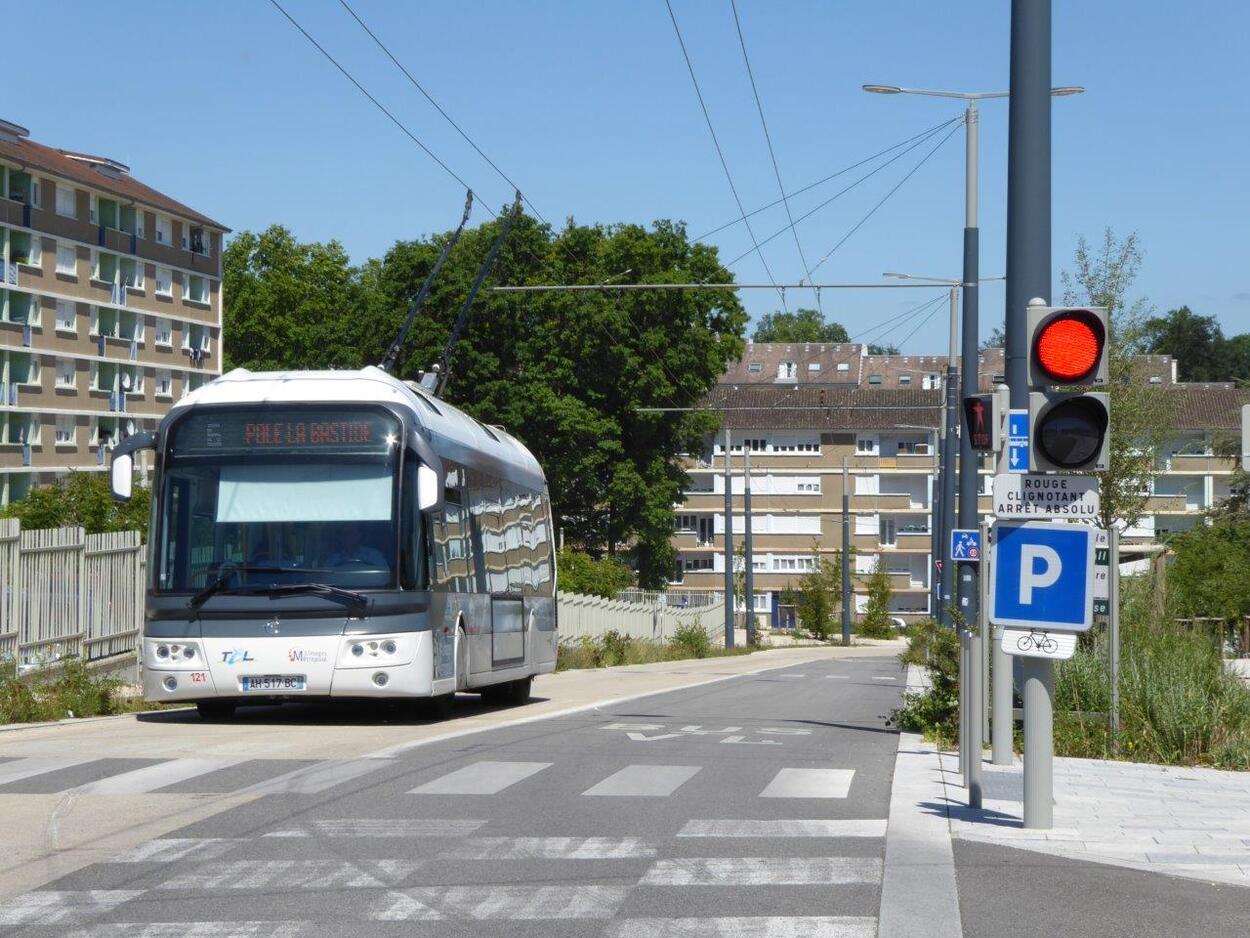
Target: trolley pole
(846, 552)
(729, 548)
(1029, 276)
(747, 553)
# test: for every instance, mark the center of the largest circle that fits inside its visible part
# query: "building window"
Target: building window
(874, 379)
(930, 382)
(755, 367)
(686, 523)
(904, 380)
(813, 366)
(200, 241)
(698, 563)
(164, 281)
(66, 373)
(787, 371)
(887, 532)
(105, 267)
(66, 316)
(164, 328)
(67, 260)
(164, 230)
(195, 288)
(65, 430)
(756, 446)
(66, 201)
(866, 445)
(164, 384)
(132, 381)
(809, 488)
(132, 273)
(844, 366)
(26, 248)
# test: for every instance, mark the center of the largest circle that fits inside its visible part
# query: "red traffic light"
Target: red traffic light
(1069, 346)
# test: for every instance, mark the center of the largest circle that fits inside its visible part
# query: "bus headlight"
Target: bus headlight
(389, 647)
(171, 683)
(162, 651)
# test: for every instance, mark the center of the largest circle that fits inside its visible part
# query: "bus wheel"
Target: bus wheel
(215, 709)
(519, 691)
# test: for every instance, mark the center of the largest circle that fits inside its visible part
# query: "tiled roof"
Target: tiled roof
(833, 407)
(1207, 406)
(814, 363)
(36, 156)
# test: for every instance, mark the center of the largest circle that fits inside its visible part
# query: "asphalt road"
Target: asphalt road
(756, 806)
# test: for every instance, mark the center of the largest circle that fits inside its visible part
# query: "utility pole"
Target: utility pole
(949, 450)
(935, 527)
(748, 556)
(1029, 276)
(729, 548)
(846, 552)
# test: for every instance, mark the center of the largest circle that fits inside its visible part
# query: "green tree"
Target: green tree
(817, 600)
(1142, 416)
(1195, 342)
(874, 349)
(578, 572)
(996, 339)
(82, 499)
(1210, 571)
(803, 325)
(876, 621)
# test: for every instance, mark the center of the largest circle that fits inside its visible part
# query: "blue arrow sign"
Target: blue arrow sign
(1017, 441)
(1043, 575)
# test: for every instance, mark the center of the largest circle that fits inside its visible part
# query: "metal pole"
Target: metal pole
(1113, 627)
(935, 529)
(846, 552)
(1029, 276)
(949, 450)
(747, 555)
(986, 644)
(729, 549)
(1002, 726)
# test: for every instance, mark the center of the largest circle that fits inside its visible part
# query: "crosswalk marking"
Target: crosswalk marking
(514, 903)
(646, 781)
(313, 779)
(152, 777)
(292, 874)
(481, 778)
(52, 907)
(195, 930)
(810, 783)
(763, 871)
(806, 926)
(20, 769)
(550, 848)
(397, 827)
(874, 827)
(168, 849)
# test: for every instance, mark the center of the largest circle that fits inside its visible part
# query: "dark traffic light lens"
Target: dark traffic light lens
(1071, 432)
(1069, 346)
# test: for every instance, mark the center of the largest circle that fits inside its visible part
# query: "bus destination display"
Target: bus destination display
(305, 431)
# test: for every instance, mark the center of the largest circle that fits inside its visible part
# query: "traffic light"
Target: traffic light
(1069, 429)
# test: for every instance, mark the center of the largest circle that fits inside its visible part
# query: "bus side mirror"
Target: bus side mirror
(122, 467)
(428, 489)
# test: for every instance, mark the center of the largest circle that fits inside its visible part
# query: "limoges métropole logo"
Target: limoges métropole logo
(235, 655)
(306, 656)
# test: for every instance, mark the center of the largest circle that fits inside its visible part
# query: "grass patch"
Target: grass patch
(72, 691)
(615, 648)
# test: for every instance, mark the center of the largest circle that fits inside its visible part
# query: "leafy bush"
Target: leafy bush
(578, 572)
(876, 621)
(692, 639)
(615, 646)
(72, 692)
(82, 499)
(935, 710)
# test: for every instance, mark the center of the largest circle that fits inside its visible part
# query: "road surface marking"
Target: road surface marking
(809, 926)
(522, 903)
(51, 907)
(644, 781)
(763, 871)
(785, 828)
(396, 827)
(195, 930)
(837, 677)
(550, 848)
(313, 779)
(168, 849)
(878, 678)
(481, 778)
(400, 907)
(292, 874)
(152, 777)
(810, 783)
(21, 769)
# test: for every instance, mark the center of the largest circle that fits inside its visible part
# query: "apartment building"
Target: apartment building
(110, 308)
(807, 416)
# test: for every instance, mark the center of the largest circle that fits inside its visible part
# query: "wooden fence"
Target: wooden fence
(65, 593)
(593, 616)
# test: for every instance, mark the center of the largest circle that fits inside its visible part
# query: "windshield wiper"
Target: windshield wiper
(330, 592)
(219, 582)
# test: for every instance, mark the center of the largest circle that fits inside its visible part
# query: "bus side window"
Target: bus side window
(414, 571)
(542, 547)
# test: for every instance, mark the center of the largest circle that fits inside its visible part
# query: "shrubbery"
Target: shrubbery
(82, 499)
(578, 572)
(72, 692)
(615, 648)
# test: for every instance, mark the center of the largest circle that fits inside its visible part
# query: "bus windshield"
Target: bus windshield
(255, 499)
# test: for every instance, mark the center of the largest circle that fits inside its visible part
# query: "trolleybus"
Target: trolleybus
(340, 534)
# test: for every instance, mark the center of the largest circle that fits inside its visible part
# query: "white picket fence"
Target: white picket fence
(593, 616)
(66, 593)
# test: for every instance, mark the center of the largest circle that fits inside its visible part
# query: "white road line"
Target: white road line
(874, 827)
(292, 874)
(168, 849)
(550, 848)
(809, 783)
(396, 827)
(837, 677)
(400, 907)
(313, 779)
(51, 907)
(481, 778)
(37, 765)
(763, 871)
(195, 930)
(877, 678)
(522, 903)
(644, 781)
(807, 926)
(152, 777)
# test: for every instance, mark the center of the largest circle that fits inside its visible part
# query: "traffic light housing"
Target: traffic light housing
(1069, 430)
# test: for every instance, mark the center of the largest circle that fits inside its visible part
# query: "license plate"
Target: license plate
(272, 682)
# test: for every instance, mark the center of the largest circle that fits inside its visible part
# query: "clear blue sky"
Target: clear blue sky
(589, 107)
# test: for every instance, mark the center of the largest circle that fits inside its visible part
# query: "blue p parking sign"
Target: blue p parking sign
(1043, 575)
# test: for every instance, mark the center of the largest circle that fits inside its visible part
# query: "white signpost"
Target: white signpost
(1034, 495)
